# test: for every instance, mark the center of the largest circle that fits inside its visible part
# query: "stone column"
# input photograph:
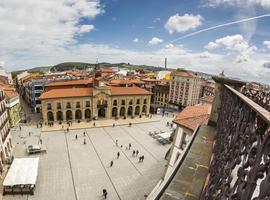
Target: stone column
(64, 115)
(54, 115)
(83, 116)
(73, 114)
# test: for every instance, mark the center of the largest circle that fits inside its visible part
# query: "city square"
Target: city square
(71, 169)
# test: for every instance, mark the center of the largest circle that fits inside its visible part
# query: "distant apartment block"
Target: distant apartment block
(161, 94)
(185, 89)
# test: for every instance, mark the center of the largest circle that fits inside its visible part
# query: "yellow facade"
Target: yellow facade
(101, 105)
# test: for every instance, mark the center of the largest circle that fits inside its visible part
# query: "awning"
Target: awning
(23, 171)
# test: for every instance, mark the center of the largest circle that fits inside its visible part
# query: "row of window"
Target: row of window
(68, 105)
(87, 104)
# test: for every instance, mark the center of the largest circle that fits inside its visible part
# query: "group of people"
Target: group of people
(84, 140)
(135, 153)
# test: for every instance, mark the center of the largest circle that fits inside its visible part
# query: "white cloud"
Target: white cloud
(114, 19)
(86, 28)
(231, 42)
(235, 45)
(177, 23)
(136, 40)
(211, 45)
(243, 3)
(2, 63)
(155, 41)
(50, 24)
(47, 36)
(169, 45)
(267, 44)
(156, 20)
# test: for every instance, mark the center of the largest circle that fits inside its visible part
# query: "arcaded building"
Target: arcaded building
(98, 101)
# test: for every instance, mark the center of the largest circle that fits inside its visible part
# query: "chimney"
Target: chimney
(165, 63)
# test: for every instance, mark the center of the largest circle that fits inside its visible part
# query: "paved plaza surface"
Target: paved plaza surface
(72, 170)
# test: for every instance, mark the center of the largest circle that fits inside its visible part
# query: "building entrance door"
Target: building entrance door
(101, 112)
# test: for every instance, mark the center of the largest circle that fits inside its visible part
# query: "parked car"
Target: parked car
(31, 149)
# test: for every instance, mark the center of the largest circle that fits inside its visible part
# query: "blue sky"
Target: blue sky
(139, 32)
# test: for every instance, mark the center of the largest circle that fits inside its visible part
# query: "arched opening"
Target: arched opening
(50, 116)
(6, 151)
(130, 109)
(78, 114)
(10, 142)
(2, 157)
(144, 109)
(152, 109)
(122, 111)
(69, 115)
(87, 114)
(101, 112)
(8, 146)
(137, 110)
(59, 116)
(114, 112)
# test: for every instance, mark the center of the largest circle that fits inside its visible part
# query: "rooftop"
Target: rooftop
(9, 90)
(67, 93)
(208, 99)
(183, 73)
(129, 91)
(84, 92)
(191, 116)
(71, 82)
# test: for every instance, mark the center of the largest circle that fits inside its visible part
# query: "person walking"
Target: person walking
(104, 191)
(111, 164)
(40, 140)
(116, 142)
(84, 134)
(133, 153)
(142, 158)
(113, 125)
(76, 136)
(118, 154)
(129, 146)
(20, 128)
(94, 124)
(137, 152)
(84, 141)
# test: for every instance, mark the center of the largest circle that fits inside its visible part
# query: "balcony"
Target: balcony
(228, 158)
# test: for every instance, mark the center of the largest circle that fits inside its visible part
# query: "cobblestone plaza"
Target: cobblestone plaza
(73, 170)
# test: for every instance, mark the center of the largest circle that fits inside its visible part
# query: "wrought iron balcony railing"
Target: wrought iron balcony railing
(240, 168)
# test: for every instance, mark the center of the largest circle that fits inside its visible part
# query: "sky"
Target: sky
(47, 32)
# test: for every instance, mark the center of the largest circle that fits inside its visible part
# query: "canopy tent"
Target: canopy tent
(23, 171)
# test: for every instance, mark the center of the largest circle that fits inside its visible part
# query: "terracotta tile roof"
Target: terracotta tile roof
(208, 99)
(192, 116)
(67, 92)
(149, 80)
(106, 70)
(125, 81)
(5, 86)
(71, 82)
(183, 73)
(11, 93)
(129, 91)
(9, 90)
